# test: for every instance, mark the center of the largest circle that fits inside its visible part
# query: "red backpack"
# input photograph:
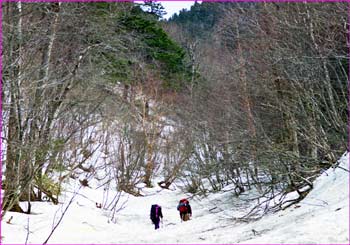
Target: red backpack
(183, 205)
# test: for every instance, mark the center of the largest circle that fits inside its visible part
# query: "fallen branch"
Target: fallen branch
(302, 195)
(347, 170)
(61, 218)
(28, 231)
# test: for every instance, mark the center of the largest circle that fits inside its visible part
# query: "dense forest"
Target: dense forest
(250, 94)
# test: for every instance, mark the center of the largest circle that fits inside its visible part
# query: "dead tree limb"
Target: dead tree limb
(61, 218)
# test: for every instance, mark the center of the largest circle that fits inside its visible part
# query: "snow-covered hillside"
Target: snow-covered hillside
(322, 217)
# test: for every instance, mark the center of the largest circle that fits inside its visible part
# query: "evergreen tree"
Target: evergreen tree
(200, 20)
(155, 9)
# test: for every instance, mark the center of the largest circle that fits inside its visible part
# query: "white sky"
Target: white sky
(172, 7)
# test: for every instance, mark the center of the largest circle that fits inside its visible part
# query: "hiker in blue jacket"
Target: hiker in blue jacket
(156, 214)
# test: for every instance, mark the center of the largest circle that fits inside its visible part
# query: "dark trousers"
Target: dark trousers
(184, 216)
(156, 223)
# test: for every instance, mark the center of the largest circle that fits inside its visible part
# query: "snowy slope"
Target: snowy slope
(322, 217)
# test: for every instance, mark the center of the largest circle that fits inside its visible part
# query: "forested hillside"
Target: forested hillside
(70, 71)
(253, 96)
(268, 99)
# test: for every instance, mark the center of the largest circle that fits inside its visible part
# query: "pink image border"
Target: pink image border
(35, 1)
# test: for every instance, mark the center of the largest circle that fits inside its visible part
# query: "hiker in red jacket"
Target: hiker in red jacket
(185, 210)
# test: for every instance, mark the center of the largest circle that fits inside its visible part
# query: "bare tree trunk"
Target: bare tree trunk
(13, 171)
(247, 105)
(327, 80)
(40, 123)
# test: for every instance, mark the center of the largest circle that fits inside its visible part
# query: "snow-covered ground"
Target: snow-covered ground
(322, 217)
